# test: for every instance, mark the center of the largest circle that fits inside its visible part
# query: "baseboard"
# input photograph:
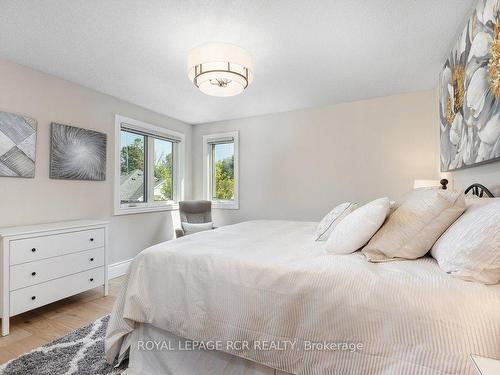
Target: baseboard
(118, 269)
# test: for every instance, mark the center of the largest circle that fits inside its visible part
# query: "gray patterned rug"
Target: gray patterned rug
(81, 353)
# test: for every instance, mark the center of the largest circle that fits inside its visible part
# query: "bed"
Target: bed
(292, 308)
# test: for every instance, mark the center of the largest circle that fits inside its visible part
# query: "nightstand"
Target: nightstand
(485, 366)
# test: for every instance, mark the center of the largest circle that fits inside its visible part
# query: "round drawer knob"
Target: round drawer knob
(91, 279)
(33, 250)
(91, 240)
(33, 298)
(33, 273)
(91, 259)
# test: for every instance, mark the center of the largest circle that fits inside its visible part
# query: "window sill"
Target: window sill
(125, 210)
(226, 205)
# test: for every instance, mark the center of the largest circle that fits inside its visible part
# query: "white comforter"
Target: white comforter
(270, 282)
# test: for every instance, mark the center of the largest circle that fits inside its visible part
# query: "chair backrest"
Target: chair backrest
(195, 212)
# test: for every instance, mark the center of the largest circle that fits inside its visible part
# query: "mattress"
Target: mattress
(270, 283)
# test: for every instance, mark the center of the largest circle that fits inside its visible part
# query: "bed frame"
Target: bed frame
(479, 190)
(476, 189)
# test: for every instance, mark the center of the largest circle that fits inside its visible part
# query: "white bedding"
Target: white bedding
(177, 360)
(269, 281)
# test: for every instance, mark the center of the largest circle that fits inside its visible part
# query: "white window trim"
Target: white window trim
(179, 169)
(207, 183)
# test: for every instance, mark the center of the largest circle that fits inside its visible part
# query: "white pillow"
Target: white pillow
(190, 228)
(414, 227)
(473, 201)
(332, 219)
(358, 227)
(470, 248)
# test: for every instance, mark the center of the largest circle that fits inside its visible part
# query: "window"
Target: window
(132, 167)
(163, 171)
(149, 172)
(221, 170)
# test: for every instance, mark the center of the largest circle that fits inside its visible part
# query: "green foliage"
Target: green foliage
(163, 171)
(224, 179)
(132, 157)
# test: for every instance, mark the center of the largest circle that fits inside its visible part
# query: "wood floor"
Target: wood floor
(40, 326)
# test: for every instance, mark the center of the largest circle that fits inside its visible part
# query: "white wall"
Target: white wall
(300, 164)
(488, 175)
(28, 201)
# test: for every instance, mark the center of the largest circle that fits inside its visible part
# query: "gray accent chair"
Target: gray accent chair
(194, 212)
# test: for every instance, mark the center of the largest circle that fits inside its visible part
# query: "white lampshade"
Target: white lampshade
(426, 184)
(220, 69)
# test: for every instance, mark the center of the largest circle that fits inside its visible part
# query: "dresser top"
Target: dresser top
(49, 227)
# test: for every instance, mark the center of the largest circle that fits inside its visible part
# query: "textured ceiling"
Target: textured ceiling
(306, 53)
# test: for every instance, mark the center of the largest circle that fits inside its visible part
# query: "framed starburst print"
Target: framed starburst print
(77, 154)
(469, 105)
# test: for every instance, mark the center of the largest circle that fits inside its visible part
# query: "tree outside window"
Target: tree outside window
(223, 170)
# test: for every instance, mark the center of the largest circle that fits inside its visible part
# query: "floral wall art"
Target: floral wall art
(470, 92)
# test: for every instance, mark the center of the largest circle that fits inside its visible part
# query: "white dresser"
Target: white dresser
(40, 264)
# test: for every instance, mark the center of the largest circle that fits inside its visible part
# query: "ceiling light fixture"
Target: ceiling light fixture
(220, 69)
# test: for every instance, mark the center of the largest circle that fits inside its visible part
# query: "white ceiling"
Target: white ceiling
(306, 53)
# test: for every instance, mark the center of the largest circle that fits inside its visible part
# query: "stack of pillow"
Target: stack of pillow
(465, 245)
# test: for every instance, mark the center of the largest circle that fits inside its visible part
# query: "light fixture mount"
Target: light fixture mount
(220, 82)
(220, 69)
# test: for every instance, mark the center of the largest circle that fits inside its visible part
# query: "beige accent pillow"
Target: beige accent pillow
(415, 226)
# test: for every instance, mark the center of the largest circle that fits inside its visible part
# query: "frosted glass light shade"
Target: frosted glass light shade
(220, 69)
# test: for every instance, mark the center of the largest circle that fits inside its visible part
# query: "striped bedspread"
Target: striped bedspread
(268, 283)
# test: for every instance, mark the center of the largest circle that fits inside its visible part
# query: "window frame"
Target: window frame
(208, 171)
(178, 172)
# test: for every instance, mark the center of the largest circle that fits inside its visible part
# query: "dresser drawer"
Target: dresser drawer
(25, 299)
(36, 248)
(32, 273)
